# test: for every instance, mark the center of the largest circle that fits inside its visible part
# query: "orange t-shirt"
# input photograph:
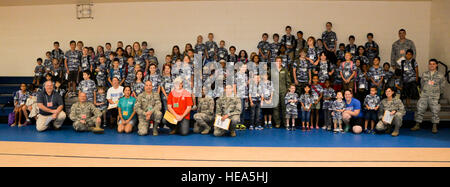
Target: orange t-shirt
(180, 101)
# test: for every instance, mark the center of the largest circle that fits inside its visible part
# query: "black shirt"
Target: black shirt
(55, 99)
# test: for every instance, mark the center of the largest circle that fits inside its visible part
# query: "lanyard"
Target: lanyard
(46, 98)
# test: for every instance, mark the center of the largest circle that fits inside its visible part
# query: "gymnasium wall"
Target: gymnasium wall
(440, 38)
(26, 32)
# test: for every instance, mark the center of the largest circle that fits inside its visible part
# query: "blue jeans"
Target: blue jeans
(163, 104)
(306, 116)
(255, 116)
(242, 117)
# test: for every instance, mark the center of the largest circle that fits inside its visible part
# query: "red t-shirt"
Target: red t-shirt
(180, 101)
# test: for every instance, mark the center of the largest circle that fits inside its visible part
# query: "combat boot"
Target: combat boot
(434, 130)
(416, 127)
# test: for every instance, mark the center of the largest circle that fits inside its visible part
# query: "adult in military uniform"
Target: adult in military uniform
(432, 84)
(284, 81)
(205, 114)
(148, 108)
(395, 107)
(228, 106)
(85, 116)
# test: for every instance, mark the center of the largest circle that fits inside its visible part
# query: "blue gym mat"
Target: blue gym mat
(246, 138)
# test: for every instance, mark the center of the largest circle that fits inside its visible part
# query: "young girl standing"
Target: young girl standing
(306, 102)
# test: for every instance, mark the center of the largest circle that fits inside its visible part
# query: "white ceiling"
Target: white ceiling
(53, 2)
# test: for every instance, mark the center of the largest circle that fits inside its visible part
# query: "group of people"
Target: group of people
(288, 79)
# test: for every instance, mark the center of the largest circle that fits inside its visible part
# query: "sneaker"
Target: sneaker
(329, 128)
(288, 128)
(324, 127)
(336, 130)
(269, 125)
(251, 127)
(366, 131)
(260, 128)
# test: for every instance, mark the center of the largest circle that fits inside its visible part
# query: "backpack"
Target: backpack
(413, 64)
(351, 67)
(11, 118)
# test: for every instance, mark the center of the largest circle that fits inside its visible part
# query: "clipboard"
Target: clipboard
(222, 124)
(169, 117)
(387, 117)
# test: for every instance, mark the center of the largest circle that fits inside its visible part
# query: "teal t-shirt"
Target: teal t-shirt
(126, 106)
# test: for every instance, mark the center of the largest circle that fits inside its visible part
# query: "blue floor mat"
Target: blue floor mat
(246, 138)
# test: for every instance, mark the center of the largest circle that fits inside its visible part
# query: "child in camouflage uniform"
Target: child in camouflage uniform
(291, 100)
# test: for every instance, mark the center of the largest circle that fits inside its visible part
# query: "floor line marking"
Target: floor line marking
(205, 160)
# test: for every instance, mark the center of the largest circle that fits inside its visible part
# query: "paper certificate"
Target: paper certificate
(170, 118)
(387, 117)
(222, 124)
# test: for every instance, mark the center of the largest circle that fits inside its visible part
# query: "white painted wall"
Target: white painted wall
(440, 37)
(27, 32)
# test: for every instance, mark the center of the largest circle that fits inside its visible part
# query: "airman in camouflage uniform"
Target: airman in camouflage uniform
(432, 84)
(284, 80)
(394, 105)
(228, 105)
(85, 115)
(148, 107)
(204, 115)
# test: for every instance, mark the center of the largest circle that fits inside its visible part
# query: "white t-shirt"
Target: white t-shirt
(114, 95)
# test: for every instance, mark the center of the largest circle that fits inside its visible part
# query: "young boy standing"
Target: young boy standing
(274, 47)
(289, 41)
(211, 48)
(38, 72)
(371, 103)
(291, 100)
(372, 49)
(72, 64)
(264, 48)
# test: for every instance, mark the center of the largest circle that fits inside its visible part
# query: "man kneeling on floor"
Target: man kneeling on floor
(50, 106)
(228, 106)
(85, 116)
(205, 114)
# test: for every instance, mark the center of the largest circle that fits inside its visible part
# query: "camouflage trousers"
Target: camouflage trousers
(202, 121)
(234, 120)
(144, 124)
(423, 104)
(78, 126)
(396, 122)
